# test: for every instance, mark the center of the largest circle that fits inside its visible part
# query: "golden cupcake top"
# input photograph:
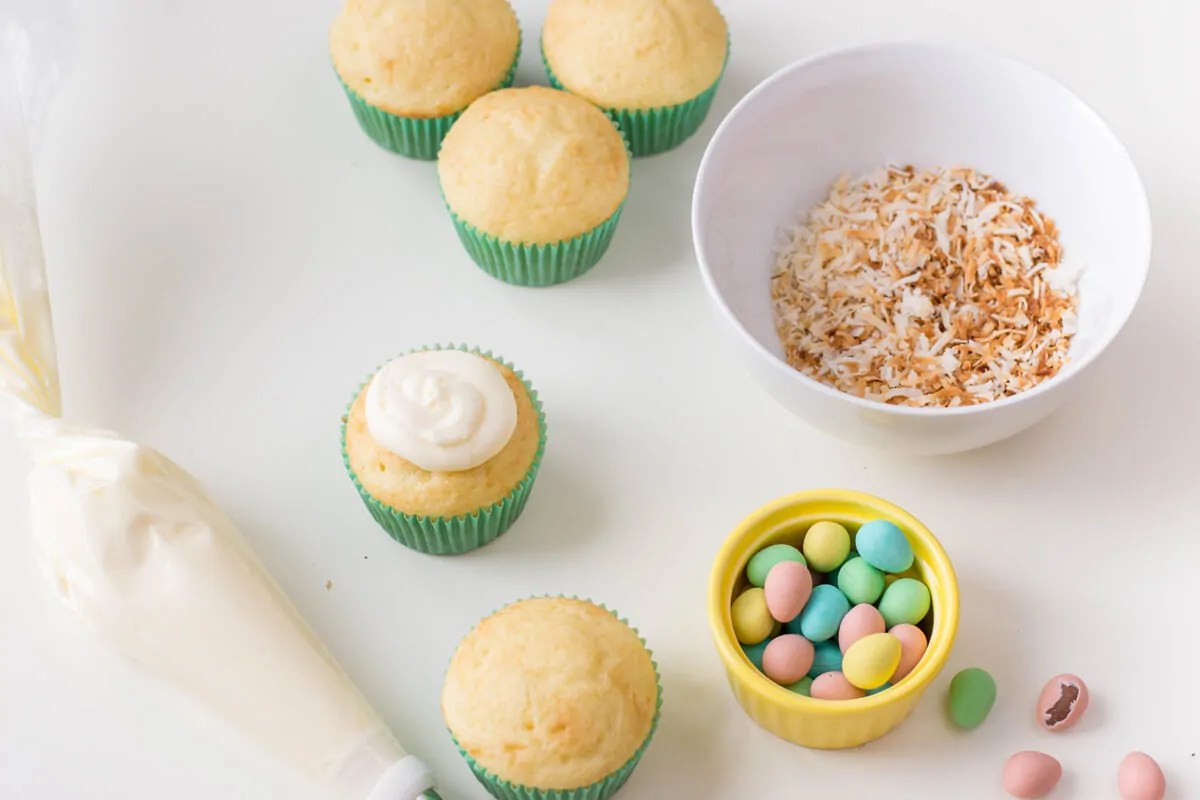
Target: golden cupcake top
(551, 693)
(631, 54)
(423, 58)
(442, 433)
(533, 165)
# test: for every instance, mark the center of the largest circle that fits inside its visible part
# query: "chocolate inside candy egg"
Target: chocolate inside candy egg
(832, 613)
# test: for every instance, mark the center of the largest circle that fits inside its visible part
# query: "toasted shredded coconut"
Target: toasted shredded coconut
(925, 288)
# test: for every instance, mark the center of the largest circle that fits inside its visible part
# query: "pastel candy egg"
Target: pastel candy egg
(752, 622)
(787, 658)
(1062, 703)
(972, 695)
(871, 660)
(802, 686)
(878, 689)
(912, 647)
(826, 545)
(833, 576)
(787, 589)
(834, 686)
(822, 616)
(760, 564)
(827, 657)
(1140, 778)
(905, 601)
(859, 581)
(754, 652)
(884, 546)
(861, 621)
(1031, 774)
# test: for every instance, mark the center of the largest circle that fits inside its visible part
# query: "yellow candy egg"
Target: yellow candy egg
(752, 620)
(871, 660)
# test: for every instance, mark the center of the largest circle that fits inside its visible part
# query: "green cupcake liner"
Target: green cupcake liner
(602, 789)
(453, 535)
(656, 130)
(412, 137)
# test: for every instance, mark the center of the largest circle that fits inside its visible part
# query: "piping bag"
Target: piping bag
(133, 543)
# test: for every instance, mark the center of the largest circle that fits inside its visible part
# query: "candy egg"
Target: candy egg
(1031, 774)
(906, 600)
(1140, 778)
(871, 660)
(826, 546)
(787, 589)
(754, 652)
(862, 620)
(833, 576)
(1062, 703)
(827, 657)
(752, 622)
(859, 581)
(884, 546)
(760, 563)
(822, 616)
(879, 689)
(912, 647)
(972, 695)
(787, 658)
(802, 686)
(834, 686)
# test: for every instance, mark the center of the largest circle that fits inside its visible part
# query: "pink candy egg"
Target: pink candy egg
(861, 621)
(787, 589)
(1062, 703)
(788, 658)
(912, 647)
(1031, 774)
(1140, 778)
(834, 686)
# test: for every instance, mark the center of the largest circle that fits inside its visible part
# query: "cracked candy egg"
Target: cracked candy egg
(1062, 703)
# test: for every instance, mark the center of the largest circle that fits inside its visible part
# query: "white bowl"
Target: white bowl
(930, 105)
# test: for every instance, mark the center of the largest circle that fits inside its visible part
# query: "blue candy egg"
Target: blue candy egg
(884, 546)
(754, 652)
(827, 657)
(823, 613)
(883, 688)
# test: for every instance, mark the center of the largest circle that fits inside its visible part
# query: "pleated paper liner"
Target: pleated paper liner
(602, 789)
(413, 137)
(453, 535)
(650, 131)
(539, 264)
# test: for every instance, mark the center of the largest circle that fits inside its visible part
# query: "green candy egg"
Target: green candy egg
(833, 576)
(802, 686)
(754, 652)
(905, 601)
(860, 582)
(826, 545)
(972, 695)
(762, 561)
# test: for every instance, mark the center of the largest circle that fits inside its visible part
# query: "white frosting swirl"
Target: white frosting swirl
(443, 410)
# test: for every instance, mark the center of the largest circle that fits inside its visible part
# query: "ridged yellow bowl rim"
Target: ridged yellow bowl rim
(825, 724)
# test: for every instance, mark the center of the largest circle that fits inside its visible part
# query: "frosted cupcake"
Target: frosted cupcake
(443, 446)
(552, 699)
(653, 64)
(410, 67)
(535, 180)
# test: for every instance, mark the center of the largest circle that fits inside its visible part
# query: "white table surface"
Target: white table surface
(229, 256)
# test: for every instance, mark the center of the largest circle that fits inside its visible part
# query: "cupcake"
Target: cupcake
(552, 699)
(410, 67)
(443, 445)
(653, 64)
(534, 179)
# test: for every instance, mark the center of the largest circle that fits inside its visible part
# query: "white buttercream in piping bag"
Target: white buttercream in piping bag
(443, 410)
(146, 559)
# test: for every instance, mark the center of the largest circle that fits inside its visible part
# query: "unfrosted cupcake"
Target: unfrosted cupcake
(410, 67)
(552, 699)
(534, 179)
(443, 445)
(653, 64)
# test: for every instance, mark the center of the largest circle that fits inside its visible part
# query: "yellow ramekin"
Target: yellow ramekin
(828, 724)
